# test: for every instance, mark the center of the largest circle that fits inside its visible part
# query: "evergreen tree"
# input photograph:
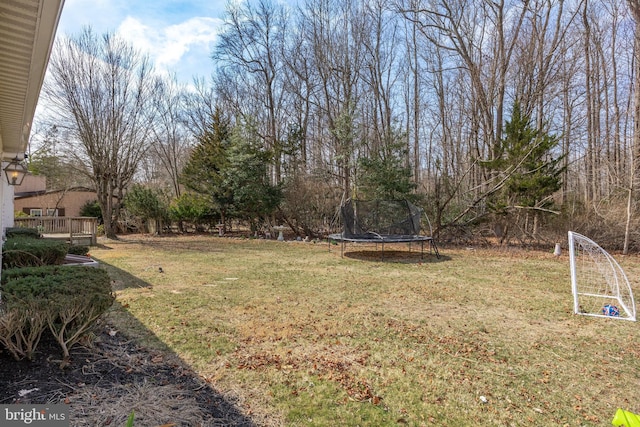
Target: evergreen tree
(204, 172)
(91, 208)
(246, 177)
(384, 176)
(526, 159)
(146, 204)
(191, 207)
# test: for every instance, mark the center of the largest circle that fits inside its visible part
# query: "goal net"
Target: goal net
(600, 287)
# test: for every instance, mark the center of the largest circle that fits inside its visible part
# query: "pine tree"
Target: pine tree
(246, 177)
(384, 176)
(525, 161)
(204, 172)
(526, 158)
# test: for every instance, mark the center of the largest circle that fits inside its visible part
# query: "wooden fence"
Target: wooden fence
(78, 230)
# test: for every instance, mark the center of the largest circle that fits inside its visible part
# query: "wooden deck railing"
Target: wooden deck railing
(75, 227)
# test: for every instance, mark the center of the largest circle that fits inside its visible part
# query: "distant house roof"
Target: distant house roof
(36, 193)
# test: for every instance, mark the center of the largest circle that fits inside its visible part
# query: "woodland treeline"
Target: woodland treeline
(512, 120)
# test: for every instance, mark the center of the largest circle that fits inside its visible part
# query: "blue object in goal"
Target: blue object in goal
(610, 310)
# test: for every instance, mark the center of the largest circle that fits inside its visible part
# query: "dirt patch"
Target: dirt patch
(105, 382)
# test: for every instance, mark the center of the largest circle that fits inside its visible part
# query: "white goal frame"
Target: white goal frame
(597, 281)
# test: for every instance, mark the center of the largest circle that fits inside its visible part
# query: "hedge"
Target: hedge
(29, 252)
(69, 300)
(78, 250)
(11, 232)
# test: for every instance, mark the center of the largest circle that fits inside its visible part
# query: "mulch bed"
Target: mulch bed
(105, 382)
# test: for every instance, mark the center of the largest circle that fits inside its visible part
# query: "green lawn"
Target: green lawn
(304, 337)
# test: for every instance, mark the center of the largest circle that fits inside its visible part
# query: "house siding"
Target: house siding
(68, 203)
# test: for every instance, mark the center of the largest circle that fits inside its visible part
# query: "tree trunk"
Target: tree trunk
(634, 5)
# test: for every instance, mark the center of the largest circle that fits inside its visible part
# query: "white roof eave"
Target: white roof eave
(28, 29)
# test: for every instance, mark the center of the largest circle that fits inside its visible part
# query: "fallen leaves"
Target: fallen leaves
(335, 366)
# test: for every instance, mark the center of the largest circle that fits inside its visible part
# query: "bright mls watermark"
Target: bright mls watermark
(34, 415)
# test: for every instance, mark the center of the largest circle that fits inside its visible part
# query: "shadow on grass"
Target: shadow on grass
(209, 406)
(121, 279)
(125, 368)
(396, 256)
(196, 242)
(392, 253)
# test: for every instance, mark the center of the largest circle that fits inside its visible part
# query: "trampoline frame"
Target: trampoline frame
(376, 238)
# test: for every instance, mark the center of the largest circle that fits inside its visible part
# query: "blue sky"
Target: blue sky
(179, 36)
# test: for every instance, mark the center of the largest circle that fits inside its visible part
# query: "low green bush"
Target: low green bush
(18, 273)
(12, 232)
(28, 252)
(69, 299)
(78, 250)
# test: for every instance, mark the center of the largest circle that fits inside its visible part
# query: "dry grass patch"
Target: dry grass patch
(306, 337)
(151, 404)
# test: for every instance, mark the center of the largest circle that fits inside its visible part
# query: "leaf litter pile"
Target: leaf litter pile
(105, 382)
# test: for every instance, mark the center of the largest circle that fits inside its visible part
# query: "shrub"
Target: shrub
(26, 252)
(92, 208)
(190, 207)
(19, 273)
(69, 299)
(21, 327)
(145, 205)
(78, 250)
(310, 202)
(23, 315)
(12, 232)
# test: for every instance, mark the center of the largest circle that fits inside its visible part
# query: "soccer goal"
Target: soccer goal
(600, 287)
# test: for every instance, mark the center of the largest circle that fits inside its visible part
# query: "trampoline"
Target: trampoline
(381, 222)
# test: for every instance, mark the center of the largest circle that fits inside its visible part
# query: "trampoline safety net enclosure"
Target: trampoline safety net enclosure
(381, 221)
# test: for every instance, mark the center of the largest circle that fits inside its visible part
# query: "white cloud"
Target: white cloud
(168, 46)
(200, 33)
(178, 35)
(144, 38)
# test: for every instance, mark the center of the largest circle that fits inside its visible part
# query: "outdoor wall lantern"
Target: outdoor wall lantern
(15, 172)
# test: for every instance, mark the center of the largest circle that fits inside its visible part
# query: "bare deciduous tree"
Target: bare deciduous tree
(101, 91)
(251, 44)
(171, 141)
(634, 5)
(353, 80)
